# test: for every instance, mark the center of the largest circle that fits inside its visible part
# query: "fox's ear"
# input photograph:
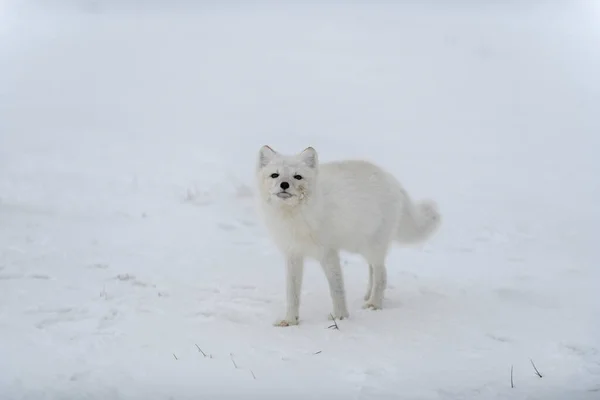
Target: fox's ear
(265, 155)
(309, 157)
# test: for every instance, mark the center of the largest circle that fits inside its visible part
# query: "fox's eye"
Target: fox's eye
(275, 175)
(298, 177)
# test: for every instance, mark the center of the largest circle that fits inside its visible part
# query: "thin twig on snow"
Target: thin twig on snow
(200, 350)
(512, 383)
(335, 325)
(535, 368)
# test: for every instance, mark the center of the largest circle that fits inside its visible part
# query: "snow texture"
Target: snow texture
(128, 232)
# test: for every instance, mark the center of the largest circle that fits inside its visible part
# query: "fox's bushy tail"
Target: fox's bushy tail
(419, 221)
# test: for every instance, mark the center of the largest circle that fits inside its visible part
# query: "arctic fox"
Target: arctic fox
(314, 211)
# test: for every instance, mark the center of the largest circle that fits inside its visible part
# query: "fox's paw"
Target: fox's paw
(287, 322)
(339, 316)
(369, 305)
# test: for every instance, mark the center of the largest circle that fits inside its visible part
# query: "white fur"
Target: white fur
(349, 205)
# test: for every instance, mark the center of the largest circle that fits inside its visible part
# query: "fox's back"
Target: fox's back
(361, 203)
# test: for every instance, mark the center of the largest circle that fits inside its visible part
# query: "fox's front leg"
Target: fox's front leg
(294, 272)
(333, 271)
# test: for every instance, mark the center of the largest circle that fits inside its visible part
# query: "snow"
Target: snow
(129, 236)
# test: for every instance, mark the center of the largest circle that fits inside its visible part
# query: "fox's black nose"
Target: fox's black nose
(284, 185)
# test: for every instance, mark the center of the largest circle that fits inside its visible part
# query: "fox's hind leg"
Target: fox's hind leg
(375, 253)
(376, 256)
(378, 284)
(369, 284)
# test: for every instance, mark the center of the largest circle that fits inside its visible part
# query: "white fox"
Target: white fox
(315, 211)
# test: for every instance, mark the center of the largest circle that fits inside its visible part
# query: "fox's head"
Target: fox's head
(287, 180)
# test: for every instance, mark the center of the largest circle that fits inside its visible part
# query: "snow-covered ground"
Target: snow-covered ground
(129, 239)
